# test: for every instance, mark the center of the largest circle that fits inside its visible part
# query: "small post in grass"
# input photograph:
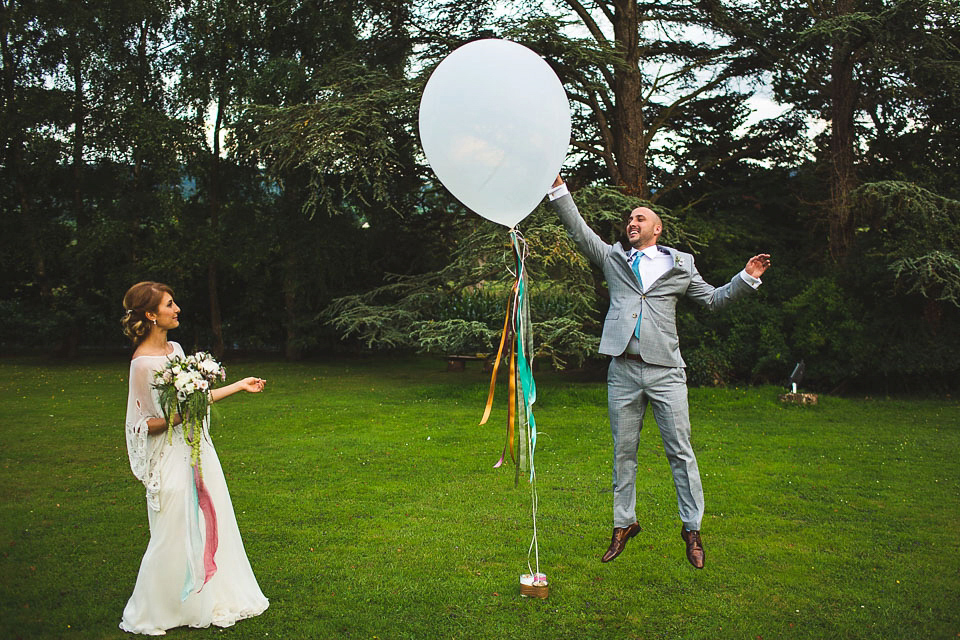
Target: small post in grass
(793, 397)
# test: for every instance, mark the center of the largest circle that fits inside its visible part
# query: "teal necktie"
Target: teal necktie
(636, 270)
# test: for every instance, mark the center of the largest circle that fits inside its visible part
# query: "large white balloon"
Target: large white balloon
(495, 125)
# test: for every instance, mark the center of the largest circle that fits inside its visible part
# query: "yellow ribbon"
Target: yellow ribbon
(496, 365)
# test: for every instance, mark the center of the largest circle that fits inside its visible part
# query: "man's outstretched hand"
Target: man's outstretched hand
(757, 264)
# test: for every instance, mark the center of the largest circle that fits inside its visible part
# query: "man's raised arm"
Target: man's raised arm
(583, 236)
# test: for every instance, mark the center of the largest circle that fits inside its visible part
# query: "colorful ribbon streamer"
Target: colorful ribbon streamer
(200, 555)
(527, 388)
(517, 338)
(515, 343)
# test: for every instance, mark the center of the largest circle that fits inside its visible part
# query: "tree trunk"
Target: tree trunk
(30, 225)
(139, 196)
(70, 339)
(216, 322)
(76, 70)
(13, 156)
(842, 136)
(141, 97)
(629, 140)
(292, 349)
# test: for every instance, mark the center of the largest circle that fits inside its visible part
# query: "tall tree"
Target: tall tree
(217, 40)
(327, 118)
(864, 67)
(92, 149)
(652, 87)
(26, 108)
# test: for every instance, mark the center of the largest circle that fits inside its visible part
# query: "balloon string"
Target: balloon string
(520, 252)
(515, 409)
(524, 339)
(521, 387)
(527, 391)
(534, 542)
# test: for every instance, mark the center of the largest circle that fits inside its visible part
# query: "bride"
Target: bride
(164, 596)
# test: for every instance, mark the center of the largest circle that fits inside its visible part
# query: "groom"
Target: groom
(640, 334)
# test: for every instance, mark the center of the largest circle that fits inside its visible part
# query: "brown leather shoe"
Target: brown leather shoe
(694, 547)
(619, 540)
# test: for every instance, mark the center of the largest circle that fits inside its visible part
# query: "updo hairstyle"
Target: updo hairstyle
(141, 298)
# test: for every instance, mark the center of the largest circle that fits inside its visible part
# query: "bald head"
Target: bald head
(643, 228)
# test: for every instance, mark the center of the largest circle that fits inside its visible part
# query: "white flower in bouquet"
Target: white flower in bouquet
(183, 382)
(184, 385)
(209, 367)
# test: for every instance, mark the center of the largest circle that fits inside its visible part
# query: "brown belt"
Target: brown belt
(633, 356)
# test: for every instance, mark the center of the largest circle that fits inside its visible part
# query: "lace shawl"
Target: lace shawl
(145, 450)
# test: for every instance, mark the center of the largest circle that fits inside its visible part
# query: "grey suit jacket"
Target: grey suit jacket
(658, 339)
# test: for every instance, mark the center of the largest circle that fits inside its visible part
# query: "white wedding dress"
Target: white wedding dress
(165, 470)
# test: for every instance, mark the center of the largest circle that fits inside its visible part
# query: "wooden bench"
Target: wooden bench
(459, 362)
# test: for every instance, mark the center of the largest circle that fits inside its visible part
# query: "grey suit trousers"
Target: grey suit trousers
(631, 386)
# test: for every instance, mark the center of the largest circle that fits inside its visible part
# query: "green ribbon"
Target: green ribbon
(527, 391)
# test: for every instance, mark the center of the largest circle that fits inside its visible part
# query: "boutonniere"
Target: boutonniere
(680, 261)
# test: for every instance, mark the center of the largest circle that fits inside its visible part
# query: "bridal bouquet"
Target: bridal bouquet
(184, 385)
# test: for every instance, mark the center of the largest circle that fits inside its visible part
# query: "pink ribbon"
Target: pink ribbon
(210, 521)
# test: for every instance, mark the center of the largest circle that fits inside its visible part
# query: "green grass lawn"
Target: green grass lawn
(369, 508)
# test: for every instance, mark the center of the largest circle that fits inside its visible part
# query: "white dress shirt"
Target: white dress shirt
(654, 262)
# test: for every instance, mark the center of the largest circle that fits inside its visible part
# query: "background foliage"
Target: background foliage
(262, 158)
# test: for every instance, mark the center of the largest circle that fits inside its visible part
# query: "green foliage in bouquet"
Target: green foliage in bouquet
(184, 387)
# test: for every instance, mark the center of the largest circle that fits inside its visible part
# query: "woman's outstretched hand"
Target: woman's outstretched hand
(251, 385)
